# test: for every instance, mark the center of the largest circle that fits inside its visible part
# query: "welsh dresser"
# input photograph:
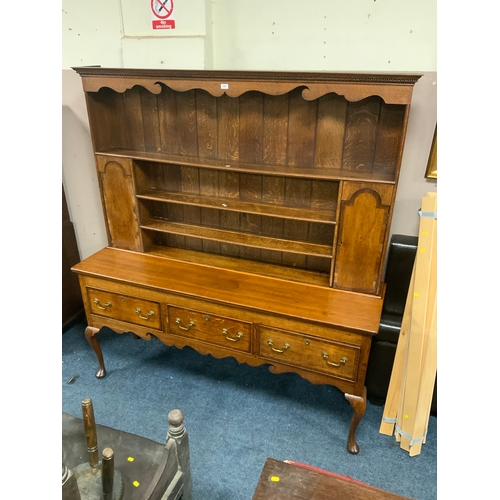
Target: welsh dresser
(247, 214)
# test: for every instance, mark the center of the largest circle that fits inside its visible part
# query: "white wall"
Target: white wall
(323, 35)
(364, 35)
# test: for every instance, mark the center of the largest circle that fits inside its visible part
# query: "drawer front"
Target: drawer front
(125, 308)
(218, 330)
(306, 352)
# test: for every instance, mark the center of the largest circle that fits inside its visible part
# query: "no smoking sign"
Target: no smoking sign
(162, 12)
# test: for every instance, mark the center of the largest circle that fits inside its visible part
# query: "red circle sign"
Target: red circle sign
(162, 9)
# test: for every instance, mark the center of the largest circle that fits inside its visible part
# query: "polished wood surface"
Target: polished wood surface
(210, 328)
(223, 161)
(298, 300)
(364, 217)
(296, 348)
(285, 481)
(125, 308)
(247, 214)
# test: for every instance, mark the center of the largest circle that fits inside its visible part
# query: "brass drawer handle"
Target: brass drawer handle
(96, 302)
(343, 361)
(285, 347)
(239, 335)
(190, 324)
(151, 313)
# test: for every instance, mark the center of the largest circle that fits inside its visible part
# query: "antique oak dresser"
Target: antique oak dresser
(247, 214)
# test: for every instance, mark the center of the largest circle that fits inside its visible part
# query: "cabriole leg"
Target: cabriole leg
(90, 335)
(359, 405)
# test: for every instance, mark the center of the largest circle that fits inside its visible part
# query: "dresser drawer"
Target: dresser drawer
(125, 308)
(303, 351)
(218, 330)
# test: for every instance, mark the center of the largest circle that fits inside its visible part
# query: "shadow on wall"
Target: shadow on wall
(81, 184)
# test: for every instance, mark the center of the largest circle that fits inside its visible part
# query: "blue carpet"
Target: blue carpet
(236, 416)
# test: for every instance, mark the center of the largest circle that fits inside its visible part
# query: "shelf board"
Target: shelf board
(242, 265)
(331, 174)
(267, 209)
(239, 238)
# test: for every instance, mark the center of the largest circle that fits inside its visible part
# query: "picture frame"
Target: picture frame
(431, 170)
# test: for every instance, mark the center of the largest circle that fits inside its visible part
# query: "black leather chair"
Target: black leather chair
(400, 260)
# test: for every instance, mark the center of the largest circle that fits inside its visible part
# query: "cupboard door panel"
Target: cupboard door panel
(120, 209)
(362, 232)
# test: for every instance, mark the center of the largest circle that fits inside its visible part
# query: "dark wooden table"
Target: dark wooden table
(284, 481)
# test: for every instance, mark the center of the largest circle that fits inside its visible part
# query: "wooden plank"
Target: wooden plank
(426, 388)
(332, 110)
(207, 200)
(301, 130)
(100, 119)
(150, 120)
(388, 149)
(251, 168)
(133, 118)
(361, 135)
(239, 238)
(167, 116)
(228, 128)
(251, 127)
(242, 265)
(275, 135)
(398, 368)
(429, 366)
(186, 123)
(424, 282)
(206, 124)
(324, 196)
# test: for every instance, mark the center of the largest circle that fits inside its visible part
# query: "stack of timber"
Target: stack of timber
(409, 398)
